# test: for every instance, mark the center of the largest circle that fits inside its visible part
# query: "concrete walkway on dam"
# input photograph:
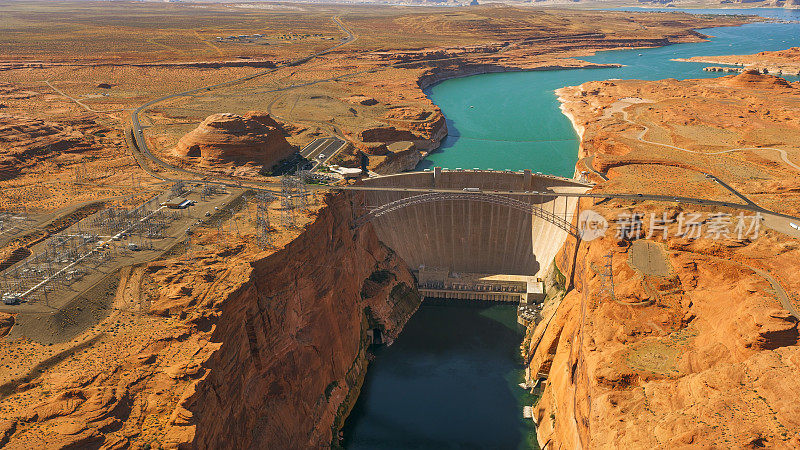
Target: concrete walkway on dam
(474, 235)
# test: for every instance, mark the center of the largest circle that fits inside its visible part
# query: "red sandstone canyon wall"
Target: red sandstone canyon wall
(293, 338)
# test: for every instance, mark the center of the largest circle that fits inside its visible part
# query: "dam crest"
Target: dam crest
(465, 236)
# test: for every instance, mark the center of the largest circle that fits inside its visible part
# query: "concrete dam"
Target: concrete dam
(464, 237)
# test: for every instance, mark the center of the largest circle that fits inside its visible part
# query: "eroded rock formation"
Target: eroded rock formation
(776, 62)
(361, 100)
(25, 140)
(222, 139)
(754, 79)
(6, 322)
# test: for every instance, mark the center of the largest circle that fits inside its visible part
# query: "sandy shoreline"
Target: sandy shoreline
(579, 129)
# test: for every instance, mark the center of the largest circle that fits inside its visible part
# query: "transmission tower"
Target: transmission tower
(177, 189)
(263, 225)
(607, 278)
(288, 196)
(80, 174)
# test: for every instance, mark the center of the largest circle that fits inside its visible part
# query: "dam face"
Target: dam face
(469, 236)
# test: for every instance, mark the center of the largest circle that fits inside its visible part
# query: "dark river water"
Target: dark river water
(451, 379)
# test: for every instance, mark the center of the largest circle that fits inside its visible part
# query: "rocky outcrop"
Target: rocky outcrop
(386, 134)
(398, 156)
(255, 138)
(754, 79)
(402, 156)
(781, 62)
(24, 141)
(429, 125)
(374, 148)
(401, 144)
(361, 100)
(6, 322)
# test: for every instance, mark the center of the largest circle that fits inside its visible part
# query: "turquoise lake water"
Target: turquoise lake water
(450, 379)
(513, 121)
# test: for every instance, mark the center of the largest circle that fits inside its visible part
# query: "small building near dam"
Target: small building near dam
(178, 203)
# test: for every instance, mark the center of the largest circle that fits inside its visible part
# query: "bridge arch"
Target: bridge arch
(472, 227)
(526, 207)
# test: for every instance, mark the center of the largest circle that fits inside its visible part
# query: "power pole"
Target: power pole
(607, 278)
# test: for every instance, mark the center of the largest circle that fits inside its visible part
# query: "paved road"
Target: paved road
(779, 292)
(313, 149)
(331, 149)
(588, 162)
(729, 188)
(275, 186)
(598, 195)
(621, 107)
(748, 206)
(140, 145)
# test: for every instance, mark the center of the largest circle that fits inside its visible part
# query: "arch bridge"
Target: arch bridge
(466, 225)
(535, 210)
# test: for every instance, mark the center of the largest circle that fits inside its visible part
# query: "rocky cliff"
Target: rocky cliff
(293, 347)
(660, 339)
(240, 348)
(403, 138)
(698, 357)
(777, 62)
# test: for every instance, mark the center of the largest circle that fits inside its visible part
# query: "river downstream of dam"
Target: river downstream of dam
(451, 379)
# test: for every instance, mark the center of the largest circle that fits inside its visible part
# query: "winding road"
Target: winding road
(139, 146)
(621, 105)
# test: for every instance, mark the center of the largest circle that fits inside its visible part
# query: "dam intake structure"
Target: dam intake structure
(474, 241)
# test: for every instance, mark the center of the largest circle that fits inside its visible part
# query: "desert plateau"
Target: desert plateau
(376, 226)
